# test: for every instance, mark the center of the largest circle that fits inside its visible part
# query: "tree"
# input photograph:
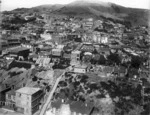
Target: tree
(136, 111)
(136, 61)
(113, 57)
(104, 105)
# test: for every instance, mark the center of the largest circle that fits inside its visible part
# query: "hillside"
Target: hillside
(108, 10)
(87, 8)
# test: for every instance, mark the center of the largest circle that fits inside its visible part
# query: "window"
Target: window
(78, 55)
(13, 98)
(13, 86)
(23, 84)
(8, 96)
(27, 103)
(27, 110)
(28, 97)
(19, 94)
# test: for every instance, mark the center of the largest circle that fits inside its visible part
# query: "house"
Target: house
(99, 37)
(20, 64)
(75, 57)
(57, 52)
(67, 56)
(27, 45)
(33, 57)
(28, 100)
(104, 50)
(3, 45)
(88, 23)
(87, 37)
(80, 69)
(10, 96)
(120, 71)
(43, 61)
(3, 90)
(7, 98)
(46, 36)
(87, 48)
(13, 42)
(44, 54)
(20, 52)
(61, 47)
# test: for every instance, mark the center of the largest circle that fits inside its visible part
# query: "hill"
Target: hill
(88, 8)
(108, 10)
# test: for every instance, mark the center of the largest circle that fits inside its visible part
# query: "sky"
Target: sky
(13, 4)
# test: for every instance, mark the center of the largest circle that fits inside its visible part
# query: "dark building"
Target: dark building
(13, 42)
(20, 52)
(19, 64)
(74, 37)
(3, 90)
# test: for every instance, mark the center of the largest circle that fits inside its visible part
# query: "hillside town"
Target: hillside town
(51, 65)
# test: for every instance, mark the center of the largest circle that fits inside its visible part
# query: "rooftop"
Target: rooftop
(18, 49)
(81, 66)
(28, 90)
(76, 52)
(56, 50)
(11, 92)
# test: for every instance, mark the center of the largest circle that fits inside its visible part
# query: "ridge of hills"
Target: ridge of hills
(87, 8)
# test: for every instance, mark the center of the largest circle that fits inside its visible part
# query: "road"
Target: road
(45, 106)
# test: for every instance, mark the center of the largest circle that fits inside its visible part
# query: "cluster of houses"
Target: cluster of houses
(100, 47)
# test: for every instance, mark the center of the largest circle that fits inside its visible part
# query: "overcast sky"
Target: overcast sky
(12, 4)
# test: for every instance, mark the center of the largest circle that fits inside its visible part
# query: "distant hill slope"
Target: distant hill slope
(109, 10)
(87, 8)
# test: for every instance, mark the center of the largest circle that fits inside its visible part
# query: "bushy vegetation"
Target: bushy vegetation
(125, 95)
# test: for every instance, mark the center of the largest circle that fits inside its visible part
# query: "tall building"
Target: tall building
(28, 100)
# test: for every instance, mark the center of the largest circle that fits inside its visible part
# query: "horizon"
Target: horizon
(8, 5)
